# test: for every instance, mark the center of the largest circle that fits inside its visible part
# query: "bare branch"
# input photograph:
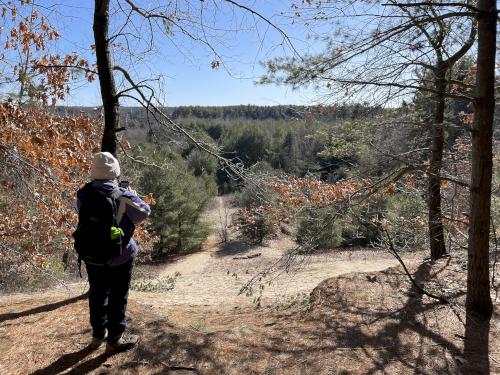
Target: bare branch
(56, 66)
(435, 4)
(268, 21)
(402, 263)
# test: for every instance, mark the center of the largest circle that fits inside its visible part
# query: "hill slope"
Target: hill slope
(359, 323)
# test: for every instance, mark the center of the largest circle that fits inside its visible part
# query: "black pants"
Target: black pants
(108, 298)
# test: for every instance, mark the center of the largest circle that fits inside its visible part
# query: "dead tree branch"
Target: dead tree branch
(410, 277)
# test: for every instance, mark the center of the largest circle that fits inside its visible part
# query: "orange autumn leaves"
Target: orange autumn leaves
(31, 31)
(45, 159)
(259, 222)
(299, 192)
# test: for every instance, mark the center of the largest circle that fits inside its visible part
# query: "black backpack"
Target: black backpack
(93, 240)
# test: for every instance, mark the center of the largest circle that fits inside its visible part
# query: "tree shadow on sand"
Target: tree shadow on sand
(234, 248)
(42, 309)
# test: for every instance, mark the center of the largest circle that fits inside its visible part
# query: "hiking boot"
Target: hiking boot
(122, 343)
(96, 343)
(97, 340)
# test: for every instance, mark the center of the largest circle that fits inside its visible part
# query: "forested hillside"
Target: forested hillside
(385, 151)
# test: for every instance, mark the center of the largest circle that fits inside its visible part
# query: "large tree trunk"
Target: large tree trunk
(436, 231)
(478, 283)
(106, 79)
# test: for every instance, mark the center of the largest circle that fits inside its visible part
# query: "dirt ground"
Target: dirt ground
(357, 323)
(341, 312)
(215, 276)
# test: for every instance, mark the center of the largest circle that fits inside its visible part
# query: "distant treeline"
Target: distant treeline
(278, 112)
(135, 116)
(289, 139)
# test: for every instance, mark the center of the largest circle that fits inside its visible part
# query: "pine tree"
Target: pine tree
(181, 198)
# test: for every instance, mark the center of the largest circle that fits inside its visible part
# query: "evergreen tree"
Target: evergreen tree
(181, 198)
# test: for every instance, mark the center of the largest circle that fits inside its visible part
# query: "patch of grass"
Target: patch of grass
(300, 301)
(270, 371)
(198, 325)
(143, 281)
(140, 273)
(163, 284)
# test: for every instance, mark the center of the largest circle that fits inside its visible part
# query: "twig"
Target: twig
(249, 256)
(137, 160)
(495, 259)
(178, 368)
(415, 284)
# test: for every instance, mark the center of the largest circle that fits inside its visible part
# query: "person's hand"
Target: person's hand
(132, 190)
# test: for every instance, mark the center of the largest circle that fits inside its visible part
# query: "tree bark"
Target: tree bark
(106, 79)
(436, 231)
(478, 299)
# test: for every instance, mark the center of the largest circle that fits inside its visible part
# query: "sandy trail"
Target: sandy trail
(215, 276)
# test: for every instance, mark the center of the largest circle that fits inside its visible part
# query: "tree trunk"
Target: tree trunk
(478, 284)
(106, 79)
(436, 231)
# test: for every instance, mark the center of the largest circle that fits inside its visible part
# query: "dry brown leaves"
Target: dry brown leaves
(46, 159)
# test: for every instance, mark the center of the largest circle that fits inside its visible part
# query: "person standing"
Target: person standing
(107, 217)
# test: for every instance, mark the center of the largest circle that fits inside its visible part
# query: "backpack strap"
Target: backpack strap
(117, 193)
(122, 205)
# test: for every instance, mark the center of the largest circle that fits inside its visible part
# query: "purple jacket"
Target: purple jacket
(131, 210)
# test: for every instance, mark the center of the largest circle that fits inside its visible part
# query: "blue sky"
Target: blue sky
(184, 65)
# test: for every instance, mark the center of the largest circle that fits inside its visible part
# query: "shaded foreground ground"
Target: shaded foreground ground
(358, 323)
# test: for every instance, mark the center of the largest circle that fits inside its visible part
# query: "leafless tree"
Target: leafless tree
(141, 28)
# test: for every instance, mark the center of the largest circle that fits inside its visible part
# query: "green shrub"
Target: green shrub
(359, 227)
(406, 213)
(319, 228)
(402, 214)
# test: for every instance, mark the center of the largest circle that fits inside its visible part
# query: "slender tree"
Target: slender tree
(478, 284)
(106, 79)
(441, 70)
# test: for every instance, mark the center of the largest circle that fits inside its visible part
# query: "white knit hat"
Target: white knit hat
(105, 166)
